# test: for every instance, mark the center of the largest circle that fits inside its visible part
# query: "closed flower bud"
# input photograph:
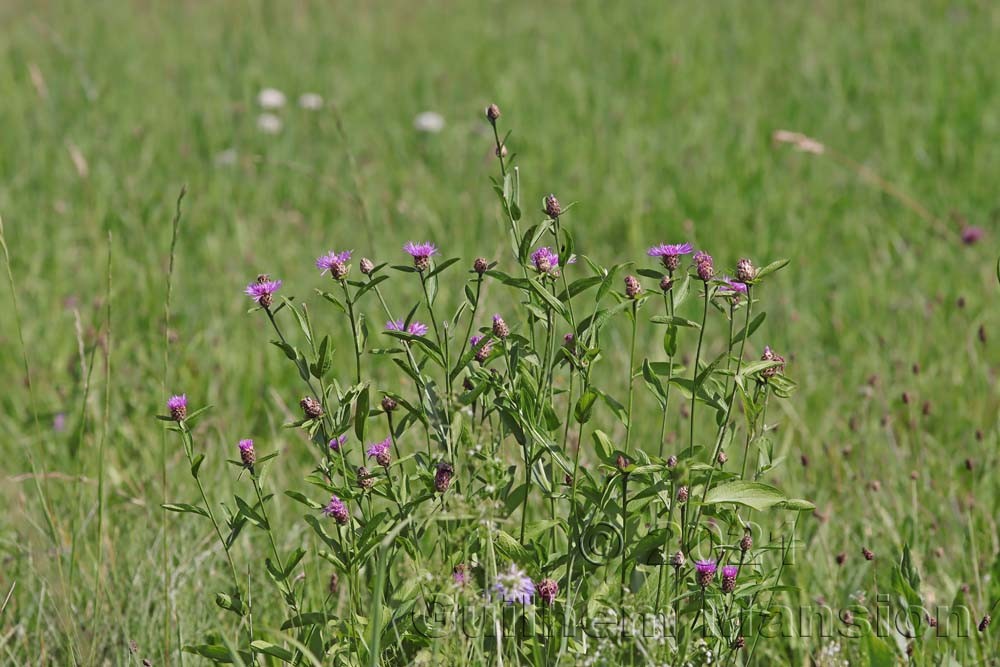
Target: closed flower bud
(841, 558)
(867, 553)
(677, 560)
(704, 265)
(367, 266)
(722, 458)
(365, 479)
(334, 583)
(501, 151)
(442, 477)
(621, 462)
(552, 207)
(666, 282)
(672, 461)
(746, 544)
(985, 623)
(492, 113)
(632, 287)
(547, 590)
(311, 407)
(500, 328)
(745, 271)
(682, 494)
(388, 403)
(480, 265)
(738, 643)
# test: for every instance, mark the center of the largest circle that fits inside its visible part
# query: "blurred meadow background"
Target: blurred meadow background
(658, 119)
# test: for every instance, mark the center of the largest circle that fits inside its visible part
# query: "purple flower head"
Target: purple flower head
(481, 354)
(460, 574)
(421, 253)
(415, 328)
(337, 442)
(261, 290)
(475, 340)
(247, 454)
(337, 510)
(500, 328)
(705, 265)
(514, 586)
(705, 572)
(971, 235)
(545, 260)
(548, 589)
(732, 287)
(177, 405)
(335, 263)
(730, 571)
(381, 452)
(669, 250)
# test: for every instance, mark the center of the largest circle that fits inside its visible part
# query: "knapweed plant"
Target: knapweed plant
(507, 469)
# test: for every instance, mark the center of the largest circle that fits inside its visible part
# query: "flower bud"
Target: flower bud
(492, 113)
(547, 590)
(442, 477)
(388, 403)
(666, 282)
(552, 207)
(365, 479)
(311, 407)
(480, 265)
(500, 328)
(367, 266)
(247, 454)
(745, 271)
(632, 287)
(682, 494)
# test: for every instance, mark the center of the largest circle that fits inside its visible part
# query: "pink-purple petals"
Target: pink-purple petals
(381, 452)
(669, 250)
(332, 260)
(261, 291)
(414, 329)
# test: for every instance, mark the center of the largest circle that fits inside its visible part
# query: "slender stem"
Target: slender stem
(631, 374)
(694, 373)
(624, 570)
(669, 306)
(354, 333)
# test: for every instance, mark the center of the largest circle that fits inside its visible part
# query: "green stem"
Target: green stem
(354, 333)
(631, 374)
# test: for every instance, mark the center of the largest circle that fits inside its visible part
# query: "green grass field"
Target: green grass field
(655, 118)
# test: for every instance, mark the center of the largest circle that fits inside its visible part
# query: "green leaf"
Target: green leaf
(184, 508)
(585, 406)
(196, 465)
(273, 650)
(879, 653)
(361, 414)
(741, 492)
(308, 618)
(215, 652)
(250, 513)
(771, 268)
(674, 321)
(552, 302)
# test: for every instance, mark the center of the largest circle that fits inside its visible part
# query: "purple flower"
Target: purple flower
(421, 253)
(729, 573)
(514, 586)
(381, 452)
(337, 442)
(705, 265)
(705, 572)
(247, 454)
(546, 261)
(971, 235)
(337, 510)
(59, 422)
(177, 405)
(335, 263)
(460, 574)
(415, 328)
(481, 353)
(548, 589)
(670, 254)
(731, 287)
(261, 290)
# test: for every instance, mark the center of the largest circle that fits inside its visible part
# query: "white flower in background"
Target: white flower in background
(429, 121)
(310, 101)
(268, 123)
(271, 98)
(226, 158)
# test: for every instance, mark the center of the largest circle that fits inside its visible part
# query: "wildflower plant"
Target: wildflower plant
(508, 454)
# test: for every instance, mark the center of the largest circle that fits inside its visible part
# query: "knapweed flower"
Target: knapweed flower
(442, 476)
(262, 290)
(552, 207)
(745, 271)
(670, 254)
(547, 261)
(178, 407)
(500, 328)
(732, 288)
(337, 510)
(704, 265)
(729, 573)
(548, 589)
(705, 572)
(311, 408)
(569, 342)
(415, 328)
(514, 586)
(367, 266)
(381, 452)
(460, 574)
(666, 282)
(247, 454)
(683, 494)
(632, 287)
(389, 403)
(677, 560)
(771, 355)
(481, 353)
(972, 235)
(492, 113)
(480, 266)
(337, 442)
(335, 263)
(365, 479)
(746, 543)
(421, 254)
